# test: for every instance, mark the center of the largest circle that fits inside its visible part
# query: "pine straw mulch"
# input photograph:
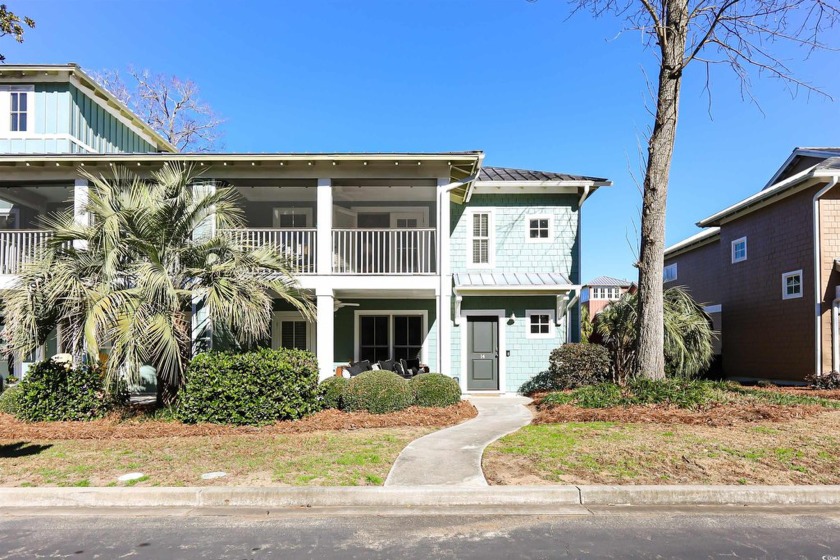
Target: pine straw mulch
(713, 415)
(326, 420)
(718, 415)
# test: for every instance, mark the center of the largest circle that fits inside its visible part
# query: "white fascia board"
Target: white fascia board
(756, 201)
(543, 184)
(233, 157)
(696, 240)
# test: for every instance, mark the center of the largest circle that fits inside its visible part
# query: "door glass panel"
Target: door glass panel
(374, 344)
(408, 337)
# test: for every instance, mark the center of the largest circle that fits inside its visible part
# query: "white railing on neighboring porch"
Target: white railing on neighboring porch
(297, 244)
(19, 246)
(384, 251)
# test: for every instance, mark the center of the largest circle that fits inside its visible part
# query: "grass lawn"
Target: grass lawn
(325, 458)
(796, 451)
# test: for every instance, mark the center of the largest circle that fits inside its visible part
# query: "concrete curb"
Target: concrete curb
(406, 497)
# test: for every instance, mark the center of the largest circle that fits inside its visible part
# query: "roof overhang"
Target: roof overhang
(75, 75)
(781, 190)
(538, 187)
(697, 240)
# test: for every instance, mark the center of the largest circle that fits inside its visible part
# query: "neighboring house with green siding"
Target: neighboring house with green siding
(431, 258)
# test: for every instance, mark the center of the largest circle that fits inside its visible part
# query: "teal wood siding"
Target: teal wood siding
(96, 127)
(345, 326)
(512, 252)
(528, 356)
(51, 109)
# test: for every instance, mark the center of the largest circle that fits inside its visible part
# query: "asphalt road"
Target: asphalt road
(610, 533)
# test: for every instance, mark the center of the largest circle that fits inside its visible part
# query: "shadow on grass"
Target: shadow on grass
(21, 449)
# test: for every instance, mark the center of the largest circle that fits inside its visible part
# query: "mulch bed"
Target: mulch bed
(721, 415)
(327, 420)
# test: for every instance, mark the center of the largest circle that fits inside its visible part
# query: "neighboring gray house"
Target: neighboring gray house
(471, 270)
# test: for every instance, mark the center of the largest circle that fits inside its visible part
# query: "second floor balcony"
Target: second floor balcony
(378, 251)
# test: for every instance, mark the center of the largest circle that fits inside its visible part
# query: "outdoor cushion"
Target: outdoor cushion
(358, 367)
(387, 365)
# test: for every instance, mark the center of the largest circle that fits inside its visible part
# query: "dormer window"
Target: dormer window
(16, 104)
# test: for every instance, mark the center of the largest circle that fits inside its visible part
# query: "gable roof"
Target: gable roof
(518, 175)
(93, 89)
(798, 157)
(826, 169)
(609, 281)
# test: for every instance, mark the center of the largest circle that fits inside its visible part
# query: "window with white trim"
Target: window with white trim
(481, 240)
(539, 229)
(792, 284)
(388, 335)
(290, 330)
(604, 292)
(739, 250)
(16, 104)
(669, 273)
(539, 323)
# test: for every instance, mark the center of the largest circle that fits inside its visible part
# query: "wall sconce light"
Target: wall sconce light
(512, 318)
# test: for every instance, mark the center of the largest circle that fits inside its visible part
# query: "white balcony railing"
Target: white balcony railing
(384, 251)
(19, 246)
(296, 244)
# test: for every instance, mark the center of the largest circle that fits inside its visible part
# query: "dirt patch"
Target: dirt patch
(798, 451)
(721, 415)
(327, 420)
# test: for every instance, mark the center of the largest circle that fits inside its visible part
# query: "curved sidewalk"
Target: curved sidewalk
(452, 457)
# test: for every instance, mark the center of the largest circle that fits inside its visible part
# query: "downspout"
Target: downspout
(818, 286)
(583, 196)
(567, 313)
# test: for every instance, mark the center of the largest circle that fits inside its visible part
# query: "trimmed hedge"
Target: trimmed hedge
(332, 392)
(378, 392)
(435, 390)
(576, 365)
(53, 391)
(252, 388)
(9, 400)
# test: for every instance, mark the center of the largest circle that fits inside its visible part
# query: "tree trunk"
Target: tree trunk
(651, 340)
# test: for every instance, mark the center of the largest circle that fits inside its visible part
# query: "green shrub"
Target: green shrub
(9, 400)
(602, 395)
(332, 391)
(540, 383)
(575, 365)
(54, 391)
(252, 388)
(378, 392)
(435, 389)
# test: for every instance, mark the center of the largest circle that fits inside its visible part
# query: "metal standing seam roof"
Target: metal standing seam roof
(510, 280)
(512, 174)
(609, 281)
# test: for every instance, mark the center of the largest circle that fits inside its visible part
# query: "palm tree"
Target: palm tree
(131, 278)
(688, 334)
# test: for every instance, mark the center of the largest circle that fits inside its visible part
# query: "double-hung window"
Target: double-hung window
(739, 250)
(481, 241)
(16, 103)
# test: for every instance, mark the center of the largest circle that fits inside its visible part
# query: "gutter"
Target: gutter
(584, 196)
(818, 286)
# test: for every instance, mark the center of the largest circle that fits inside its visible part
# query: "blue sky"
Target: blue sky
(520, 80)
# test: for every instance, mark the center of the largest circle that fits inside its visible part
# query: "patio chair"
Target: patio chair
(358, 367)
(387, 365)
(410, 371)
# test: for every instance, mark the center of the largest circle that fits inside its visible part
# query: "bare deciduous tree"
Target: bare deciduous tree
(11, 24)
(741, 35)
(169, 104)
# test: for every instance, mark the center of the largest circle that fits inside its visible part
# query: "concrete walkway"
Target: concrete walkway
(452, 457)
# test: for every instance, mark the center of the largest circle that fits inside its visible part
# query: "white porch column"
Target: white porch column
(325, 218)
(80, 214)
(325, 326)
(444, 293)
(202, 326)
